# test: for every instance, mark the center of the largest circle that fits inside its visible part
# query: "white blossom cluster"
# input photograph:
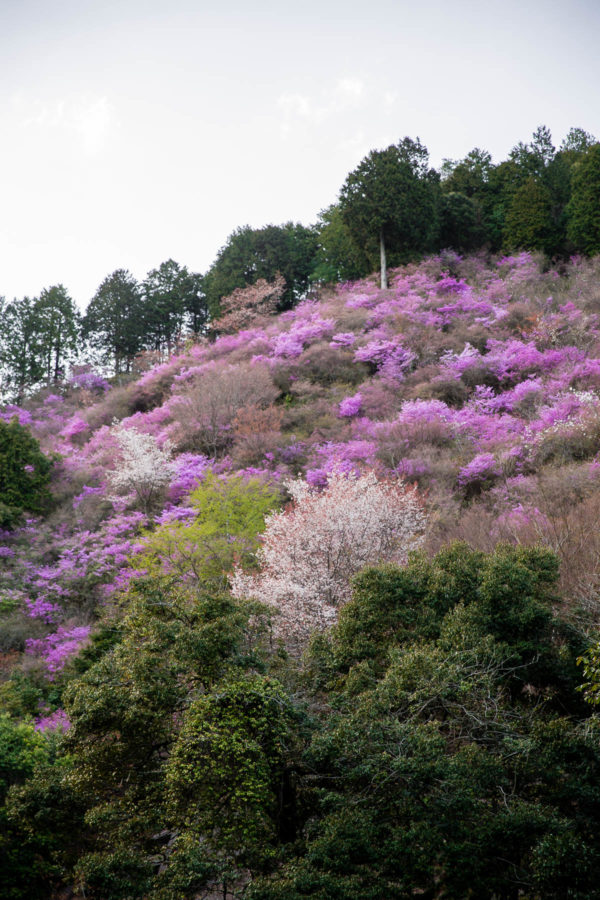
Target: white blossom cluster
(311, 550)
(145, 469)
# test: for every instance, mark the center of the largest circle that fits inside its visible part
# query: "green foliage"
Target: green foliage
(528, 222)
(230, 516)
(453, 758)
(126, 712)
(113, 321)
(469, 176)
(44, 829)
(253, 253)
(584, 207)
(339, 257)
(460, 226)
(58, 319)
(21, 747)
(448, 753)
(225, 772)
(30, 811)
(24, 473)
(590, 664)
(173, 300)
(391, 194)
(20, 346)
(122, 873)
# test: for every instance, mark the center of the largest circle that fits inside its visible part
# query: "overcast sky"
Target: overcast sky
(139, 130)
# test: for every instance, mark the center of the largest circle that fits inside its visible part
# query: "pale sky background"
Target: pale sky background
(138, 130)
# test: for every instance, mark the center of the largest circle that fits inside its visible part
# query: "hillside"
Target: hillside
(469, 390)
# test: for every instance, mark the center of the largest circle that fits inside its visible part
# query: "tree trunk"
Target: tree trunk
(384, 281)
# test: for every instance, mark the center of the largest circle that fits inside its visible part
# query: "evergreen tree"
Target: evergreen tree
(58, 330)
(584, 206)
(339, 257)
(460, 227)
(21, 346)
(389, 203)
(113, 321)
(172, 302)
(528, 223)
(24, 473)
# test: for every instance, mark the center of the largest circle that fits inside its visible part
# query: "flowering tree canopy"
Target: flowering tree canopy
(145, 469)
(311, 550)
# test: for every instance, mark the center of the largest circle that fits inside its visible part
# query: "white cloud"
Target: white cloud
(389, 100)
(296, 105)
(345, 95)
(349, 91)
(89, 119)
(92, 122)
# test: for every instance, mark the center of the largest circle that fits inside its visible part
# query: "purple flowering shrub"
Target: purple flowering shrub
(478, 380)
(57, 648)
(350, 406)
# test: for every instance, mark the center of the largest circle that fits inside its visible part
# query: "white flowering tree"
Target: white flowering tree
(311, 550)
(144, 468)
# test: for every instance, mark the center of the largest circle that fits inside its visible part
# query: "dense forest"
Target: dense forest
(300, 558)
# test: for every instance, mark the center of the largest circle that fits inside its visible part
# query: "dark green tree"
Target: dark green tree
(388, 203)
(114, 321)
(172, 303)
(577, 141)
(534, 158)
(226, 771)
(528, 222)
(460, 226)
(58, 319)
(253, 253)
(584, 207)
(469, 176)
(535, 210)
(339, 257)
(454, 757)
(142, 719)
(24, 473)
(21, 348)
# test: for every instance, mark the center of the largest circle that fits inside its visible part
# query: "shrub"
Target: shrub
(227, 516)
(24, 474)
(256, 432)
(205, 409)
(325, 365)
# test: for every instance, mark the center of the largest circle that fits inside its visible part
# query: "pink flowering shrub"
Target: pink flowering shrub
(481, 472)
(350, 406)
(388, 357)
(188, 471)
(56, 649)
(89, 381)
(53, 721)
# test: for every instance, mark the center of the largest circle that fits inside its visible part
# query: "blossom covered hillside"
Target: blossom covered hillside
(477, 382)
(261, 642)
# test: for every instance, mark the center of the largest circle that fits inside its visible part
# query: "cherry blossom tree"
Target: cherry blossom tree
(145, 469)
(311, 550)
(245, 305)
